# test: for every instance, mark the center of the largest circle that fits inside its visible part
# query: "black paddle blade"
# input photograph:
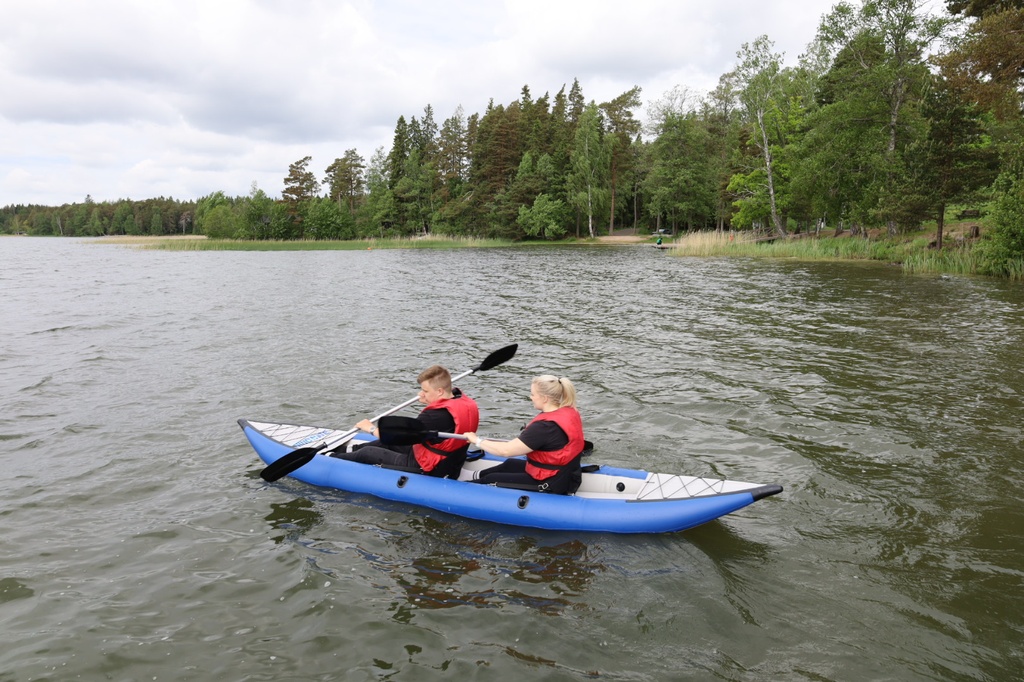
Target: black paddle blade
(395, 430)
(287, 464)
(498, 357)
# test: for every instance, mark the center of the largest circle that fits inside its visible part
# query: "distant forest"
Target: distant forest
(890, 117)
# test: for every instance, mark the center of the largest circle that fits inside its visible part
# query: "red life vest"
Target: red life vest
(467, 418)
(543, 464)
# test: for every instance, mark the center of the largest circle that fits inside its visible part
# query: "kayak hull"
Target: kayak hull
(609, 500)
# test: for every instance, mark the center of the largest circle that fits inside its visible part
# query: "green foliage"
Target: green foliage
(622, 129)
(871, 100)
(263, 218)
(345, 180)
(401, 146)
(752, 206)
(980, 8)
(414, 195)
(759, 79)
(377, 214)
(91, 218)
(222, 222)
(326, 220)
(497, 153)
(681, 182)
(452, 159)
(545, 219)
(1004, 249)
(300, 186)
(955, 160)
(205, 206)
(586, 185)
(123, 221)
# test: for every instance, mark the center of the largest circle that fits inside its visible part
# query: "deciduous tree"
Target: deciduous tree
(681, 182)
(587, 183)
(757, 77)
(378, 213)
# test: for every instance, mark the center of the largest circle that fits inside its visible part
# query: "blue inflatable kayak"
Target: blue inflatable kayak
(608, 500)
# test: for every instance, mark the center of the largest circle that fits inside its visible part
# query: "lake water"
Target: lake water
(139, 543)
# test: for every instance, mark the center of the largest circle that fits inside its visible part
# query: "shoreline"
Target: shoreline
(913, 253)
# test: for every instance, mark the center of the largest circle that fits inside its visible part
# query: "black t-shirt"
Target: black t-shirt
(545, 436)
(439, 419)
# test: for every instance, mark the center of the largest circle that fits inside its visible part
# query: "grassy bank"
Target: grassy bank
(912, 251)
(202, 244)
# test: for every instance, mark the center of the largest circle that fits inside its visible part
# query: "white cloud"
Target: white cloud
(126, 98)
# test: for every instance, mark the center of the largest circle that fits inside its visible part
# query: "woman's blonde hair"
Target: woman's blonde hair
(559, 391)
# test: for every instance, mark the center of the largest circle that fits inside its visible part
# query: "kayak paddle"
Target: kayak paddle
(298, 458)
(395, 430)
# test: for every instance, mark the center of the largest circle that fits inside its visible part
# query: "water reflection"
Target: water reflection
(460, 565)
(436, 562)
(297, 516)
(12, 589)
(722, 544)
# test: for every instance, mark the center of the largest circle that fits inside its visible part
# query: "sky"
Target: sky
(120, 99)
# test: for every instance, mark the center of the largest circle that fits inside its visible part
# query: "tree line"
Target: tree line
(891, 116)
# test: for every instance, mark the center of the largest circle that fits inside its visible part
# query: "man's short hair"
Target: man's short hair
(437, 376)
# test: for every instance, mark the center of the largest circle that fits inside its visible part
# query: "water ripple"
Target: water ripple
(139, 540)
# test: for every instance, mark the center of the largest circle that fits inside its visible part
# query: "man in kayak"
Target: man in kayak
(446, 410)
(552, 443)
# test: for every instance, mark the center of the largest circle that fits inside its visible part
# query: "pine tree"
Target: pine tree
(299, 187)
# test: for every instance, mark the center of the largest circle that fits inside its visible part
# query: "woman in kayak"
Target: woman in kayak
(552, 443)
(447, 410)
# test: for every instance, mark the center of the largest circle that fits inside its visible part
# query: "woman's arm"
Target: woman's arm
(501, 448)
(544, 435)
